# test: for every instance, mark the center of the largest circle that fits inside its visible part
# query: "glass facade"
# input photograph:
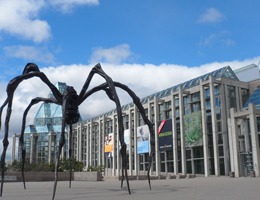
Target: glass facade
(42, 138)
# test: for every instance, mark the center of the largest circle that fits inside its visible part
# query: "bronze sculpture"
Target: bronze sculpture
(70, 102)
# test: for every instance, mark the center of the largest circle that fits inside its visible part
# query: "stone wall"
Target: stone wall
(49, 176)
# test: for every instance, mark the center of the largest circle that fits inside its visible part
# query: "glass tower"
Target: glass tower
(42, 138)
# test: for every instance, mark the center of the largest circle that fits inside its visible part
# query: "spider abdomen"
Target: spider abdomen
(71, 106)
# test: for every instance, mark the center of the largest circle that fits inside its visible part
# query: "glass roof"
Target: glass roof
(222, 72)
(219, 73)
(30, 129)
(254, 98)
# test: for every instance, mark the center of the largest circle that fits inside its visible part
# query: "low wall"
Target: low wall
(50, 176)
(87, 176)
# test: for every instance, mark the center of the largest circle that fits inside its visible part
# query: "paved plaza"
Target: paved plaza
(200, 188)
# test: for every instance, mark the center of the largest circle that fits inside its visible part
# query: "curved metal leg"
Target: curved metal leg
(70, 145)
(61, 144)
(5, 145)
(124, 167)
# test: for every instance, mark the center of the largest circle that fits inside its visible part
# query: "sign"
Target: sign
(165, 135)
(143, 135)
(109, 142)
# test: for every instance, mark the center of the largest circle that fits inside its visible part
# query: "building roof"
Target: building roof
(219, 73)
(254, 98)
(245, 68)
(248, 73)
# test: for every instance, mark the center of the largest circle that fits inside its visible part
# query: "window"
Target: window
(195, 97)
(168, 110)
(231, 96)
(245, 95)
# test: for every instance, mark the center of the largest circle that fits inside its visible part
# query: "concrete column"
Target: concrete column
(101, 140)
(14, 148)
(130, 142)
(246, 134)
(87, 145)
(31, 147)
(102, 150)
(136, 157)
(157, 152)
(63, 149)
(235, 144)
(69, 142)
(238, 99)
(118, 155)
(183, 152)
(204, 131)
(79, 142)
(230, 135)
(214, 131)
(192, 161)
(254, 139)
(49, 146)
(226, 100)
(224, 128)
(174, 136)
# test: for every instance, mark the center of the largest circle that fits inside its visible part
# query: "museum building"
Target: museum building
(209, 125)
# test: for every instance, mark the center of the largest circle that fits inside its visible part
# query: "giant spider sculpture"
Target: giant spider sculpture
(70, 102)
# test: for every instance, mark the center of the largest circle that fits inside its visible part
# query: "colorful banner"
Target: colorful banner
(165, 135)
(109, 142)
(193, 129)
(143, 136)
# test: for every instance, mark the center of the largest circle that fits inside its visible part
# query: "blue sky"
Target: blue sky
(156, 32)
(148, 45)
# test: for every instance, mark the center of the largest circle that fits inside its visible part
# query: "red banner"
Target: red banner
(161, 126)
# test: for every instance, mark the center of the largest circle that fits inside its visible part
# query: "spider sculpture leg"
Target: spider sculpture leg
(140, 107)
(61, 144)
(21, 138)
(1, 110)
(113, 96)
(70, 116)
(122, 142)
(31, 70)
(5, 145)
(121, 137)
(57, 163)
(70, 154)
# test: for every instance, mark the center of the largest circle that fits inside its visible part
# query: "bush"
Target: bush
(98, 168)
(16, 166)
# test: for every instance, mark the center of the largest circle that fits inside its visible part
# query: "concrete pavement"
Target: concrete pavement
(199, 188)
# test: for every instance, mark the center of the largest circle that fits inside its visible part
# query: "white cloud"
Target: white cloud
(21, 18)
(211, 15)
(114, 55)
(69, 5)
(143, 79)
(29, 53)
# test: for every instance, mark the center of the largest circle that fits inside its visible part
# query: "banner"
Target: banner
(193, 129)
(165, 135)
(109, 142)
(143, 135)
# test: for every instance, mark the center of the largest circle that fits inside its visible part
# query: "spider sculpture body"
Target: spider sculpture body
(70, 102)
